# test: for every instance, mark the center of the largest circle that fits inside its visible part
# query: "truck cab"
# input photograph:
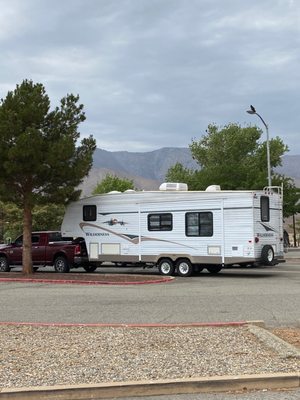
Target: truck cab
(48, 248)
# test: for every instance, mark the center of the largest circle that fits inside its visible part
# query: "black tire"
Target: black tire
(267, 255)
(184, 267)
(61, 264)
(214, 269)
(198, 268)
(90, 268)
(4, 265)
(166, 267)
(35, 269)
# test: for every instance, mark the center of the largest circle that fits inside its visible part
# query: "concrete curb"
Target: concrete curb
(257, 323)
(79, 282)
(155, 388)
(283, 348)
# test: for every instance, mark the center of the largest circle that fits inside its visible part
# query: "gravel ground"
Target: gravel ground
(53, 355)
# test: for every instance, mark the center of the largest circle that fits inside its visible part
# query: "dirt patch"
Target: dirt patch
(290, 335)
(83, 278)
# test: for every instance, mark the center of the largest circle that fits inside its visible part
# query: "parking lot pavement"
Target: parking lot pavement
(292, 253)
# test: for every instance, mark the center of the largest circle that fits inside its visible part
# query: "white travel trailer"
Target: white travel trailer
(179, 230)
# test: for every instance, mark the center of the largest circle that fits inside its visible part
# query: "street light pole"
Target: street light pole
(253, 111)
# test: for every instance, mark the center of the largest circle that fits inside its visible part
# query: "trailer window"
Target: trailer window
(89, 213)
(199, 224)
(160, 222)
(264, 209)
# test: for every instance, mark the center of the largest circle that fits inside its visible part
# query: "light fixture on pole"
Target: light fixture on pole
(253, 111)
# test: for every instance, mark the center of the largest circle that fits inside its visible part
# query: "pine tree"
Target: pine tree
(40, 159)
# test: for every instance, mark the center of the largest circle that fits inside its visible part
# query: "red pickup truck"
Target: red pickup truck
(48, 248)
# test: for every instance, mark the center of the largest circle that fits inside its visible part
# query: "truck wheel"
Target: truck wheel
(61, 264)
(4, 266)
(184, 268)
(267, 255)
(214, 269)
(90, 268)
(166, 267)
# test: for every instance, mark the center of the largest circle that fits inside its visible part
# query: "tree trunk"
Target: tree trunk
(27, 246)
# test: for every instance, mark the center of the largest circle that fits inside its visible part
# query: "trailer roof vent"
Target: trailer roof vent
(213, 188)
(173, 186)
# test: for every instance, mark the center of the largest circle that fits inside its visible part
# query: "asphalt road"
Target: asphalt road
(269, 294)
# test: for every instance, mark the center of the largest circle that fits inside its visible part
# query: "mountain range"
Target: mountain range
(148, 169)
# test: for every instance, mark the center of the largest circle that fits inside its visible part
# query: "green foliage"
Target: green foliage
(178, 173)
(233, 157)
(291, 195)
(236, 159)
(48, 217)
(44, 217)
(113, 182)
(41, 161)
(11, 218)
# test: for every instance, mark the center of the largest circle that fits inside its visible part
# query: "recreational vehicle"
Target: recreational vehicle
(180, 231)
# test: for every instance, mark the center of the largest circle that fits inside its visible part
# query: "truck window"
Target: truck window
(264, 209)
(35, 239)
(89, 213)
(160, 222)
(55, 237)
(19, 241)
(199, 224)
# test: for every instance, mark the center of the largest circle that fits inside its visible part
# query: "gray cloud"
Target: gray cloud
(155, 73)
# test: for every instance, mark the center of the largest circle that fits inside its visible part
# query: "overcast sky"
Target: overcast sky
(155, 73)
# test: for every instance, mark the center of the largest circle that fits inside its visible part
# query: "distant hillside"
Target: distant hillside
(149, 169)
(290, 166)
(97, 174)
(150, 165)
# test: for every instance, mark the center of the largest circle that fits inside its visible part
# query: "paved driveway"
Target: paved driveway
(269, 294)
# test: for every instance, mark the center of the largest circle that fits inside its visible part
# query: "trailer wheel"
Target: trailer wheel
(184, 267)
(61, 264)
(90, 268)
(4, 265)
(267, 255)
(214, 269)
(166, 267)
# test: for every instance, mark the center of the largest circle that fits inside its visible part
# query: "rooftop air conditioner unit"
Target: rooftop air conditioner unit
(213, 188)
(173, 186)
